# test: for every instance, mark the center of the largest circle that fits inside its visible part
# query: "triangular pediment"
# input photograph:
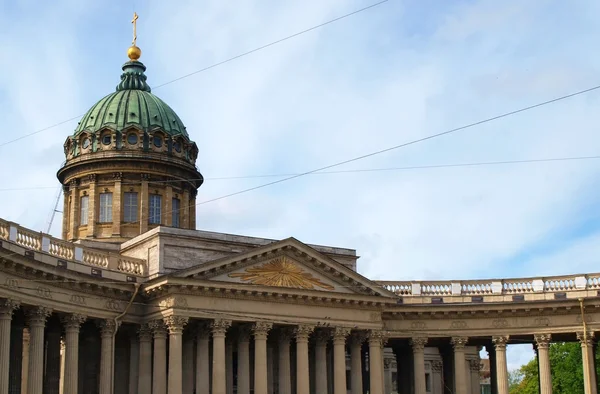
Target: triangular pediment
(286, 264)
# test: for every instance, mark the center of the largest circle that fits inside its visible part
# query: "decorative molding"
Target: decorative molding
(459, 343)
(260, 330)
(107, 327)
(418, 325)
(7, 307)
(281, 272)
(145, 332)
(113, 305)
(437, 366)
(77, 299)
(542, 340)
(73, 321)
(376, 337)
(175, 324)
(321, 336)
(357, 338)
(284, 335)
(418, 344)
(244, 333)
(302, 332)
(586, 340)
(158, 327)
(203, 330)
(37, 316)
(174, 302)
(458, 325)
(500, 342)
(474, 365)
(219, 327)
(44, 292)
(500, 323)
(340, 334)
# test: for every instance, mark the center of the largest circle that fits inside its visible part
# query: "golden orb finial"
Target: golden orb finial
(134, 52)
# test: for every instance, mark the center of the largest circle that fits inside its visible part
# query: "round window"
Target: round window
(157, 141)
(86, 143)
(106, 139)
(177, 146)
(132, 139)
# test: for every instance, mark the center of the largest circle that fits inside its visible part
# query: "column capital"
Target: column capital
(459, 343)
(144, 332)
(500, 341)
(107, 327)
(542, 340)
(376, 337)
(321, 336)
(175, 324)
(37, 316)
(340, 334)
(387, 363)
(357, 338)
(260, 330)
(586, 340)
(418, 344)
(158, 327)
(284, 335)
(302, 332)
(73, 321)
(7, 307)
(219, 327)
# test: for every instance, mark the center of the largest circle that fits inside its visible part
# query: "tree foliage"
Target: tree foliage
(566, 368)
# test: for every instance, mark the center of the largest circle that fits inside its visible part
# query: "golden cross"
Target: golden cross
(134, 21)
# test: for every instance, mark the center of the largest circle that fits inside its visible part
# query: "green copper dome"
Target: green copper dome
(132, 104)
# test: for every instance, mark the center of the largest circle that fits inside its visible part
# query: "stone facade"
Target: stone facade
(218, 313)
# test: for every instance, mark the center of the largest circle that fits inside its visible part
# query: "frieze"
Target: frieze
(113, 305)
(541, 322)
(44, 292)
(588, 319)
(12, 283)
(77, 299)
(418, 325)
(500, 323)
(174, 302)
(458, 325)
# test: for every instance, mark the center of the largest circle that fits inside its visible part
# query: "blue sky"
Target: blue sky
(400, 71)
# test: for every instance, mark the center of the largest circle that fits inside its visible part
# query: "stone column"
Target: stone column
(375, 367)
(175, 326)
(437, 378)
(116, 207)
(418, 347)
(339, 360)
(475, 368)
(63, 351)
(72, 324)
(6, 310)
(321, 339)
(159, 373)
(188, 363)
(501, 365)
(25, 360)
(356, 340)
(387, 369)
(144, 204)
(36, 318)
(229, 364)
(283, 346)
(543, 343)
(243, 360)
(219, 328)
(134, 362)
(203, 358)
(107, 351)
(460, 373)
(260, 331)
(145, 360)
(587, 353)
(302, 333)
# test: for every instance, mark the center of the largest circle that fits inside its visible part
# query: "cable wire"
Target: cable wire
(213, 65)
(359, 170)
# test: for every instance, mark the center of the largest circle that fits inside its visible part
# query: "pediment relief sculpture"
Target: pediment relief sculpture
(281, 272)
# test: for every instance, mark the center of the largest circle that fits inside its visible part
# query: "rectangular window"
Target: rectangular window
(176, 210)
(154, 214)
(83, 213)
(105, 208)
(130, 207)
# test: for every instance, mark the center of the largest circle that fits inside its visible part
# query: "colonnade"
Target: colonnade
(176, 355)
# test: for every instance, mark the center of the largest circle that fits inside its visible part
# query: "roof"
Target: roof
(132, 104)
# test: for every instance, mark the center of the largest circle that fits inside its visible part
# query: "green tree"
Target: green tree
(565, 366)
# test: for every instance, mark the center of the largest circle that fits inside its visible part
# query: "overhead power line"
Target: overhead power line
(413, 142)
(213, 65)
(359, 170)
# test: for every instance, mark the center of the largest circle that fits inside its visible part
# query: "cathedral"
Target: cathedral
(135, 300)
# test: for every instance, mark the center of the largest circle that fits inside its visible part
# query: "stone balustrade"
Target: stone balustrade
(45, 243)
(553, 286)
